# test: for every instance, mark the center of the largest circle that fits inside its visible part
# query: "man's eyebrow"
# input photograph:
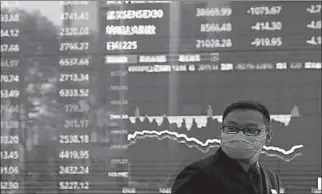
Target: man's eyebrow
(255, 124)
(232, 122)
(247, 123)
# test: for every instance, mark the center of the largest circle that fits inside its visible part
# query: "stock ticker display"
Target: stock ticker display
(118, 96)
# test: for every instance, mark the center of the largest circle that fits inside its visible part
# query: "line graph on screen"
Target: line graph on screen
(201, 121)
(210, 143)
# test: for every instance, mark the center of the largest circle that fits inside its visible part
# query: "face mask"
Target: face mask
(242, 147)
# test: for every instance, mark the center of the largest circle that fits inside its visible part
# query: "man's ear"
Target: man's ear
(269, 136)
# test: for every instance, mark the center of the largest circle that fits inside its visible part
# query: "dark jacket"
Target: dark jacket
(219, 174)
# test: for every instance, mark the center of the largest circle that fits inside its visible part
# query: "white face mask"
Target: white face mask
(242, 147)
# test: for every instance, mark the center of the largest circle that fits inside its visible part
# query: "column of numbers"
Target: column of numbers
(268, 25)
(10, 141)
(74, 63)
(315, 25)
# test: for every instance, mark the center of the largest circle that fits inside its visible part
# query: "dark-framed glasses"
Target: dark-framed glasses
(249, 131)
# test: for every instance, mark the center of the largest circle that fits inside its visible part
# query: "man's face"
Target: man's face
(241, 145)
(245, 118)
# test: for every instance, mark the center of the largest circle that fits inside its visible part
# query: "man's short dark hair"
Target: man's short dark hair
(248, 104)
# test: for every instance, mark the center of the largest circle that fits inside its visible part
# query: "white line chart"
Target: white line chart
(206, 146)
(201, 121)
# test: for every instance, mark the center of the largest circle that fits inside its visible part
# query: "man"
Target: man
(234, 168)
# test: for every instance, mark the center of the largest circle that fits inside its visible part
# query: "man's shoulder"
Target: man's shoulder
(205, 163)
(195, 177)
(201, 167)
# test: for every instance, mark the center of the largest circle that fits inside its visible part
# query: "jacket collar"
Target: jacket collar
(265, 178)
(235, 169)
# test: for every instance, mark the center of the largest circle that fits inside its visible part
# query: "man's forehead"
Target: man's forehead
(245, 116)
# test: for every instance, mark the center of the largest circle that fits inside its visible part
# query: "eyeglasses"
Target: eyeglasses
(249, 131)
